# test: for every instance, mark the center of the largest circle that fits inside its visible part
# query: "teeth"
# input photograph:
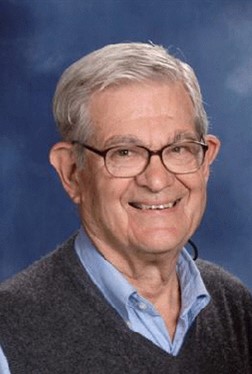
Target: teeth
(154, 207)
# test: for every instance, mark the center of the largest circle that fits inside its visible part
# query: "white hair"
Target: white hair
(118, 64)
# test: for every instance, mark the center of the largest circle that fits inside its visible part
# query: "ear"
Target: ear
(213, 149)
(63, 160)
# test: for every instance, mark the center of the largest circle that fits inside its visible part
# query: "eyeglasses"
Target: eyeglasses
(127, 161)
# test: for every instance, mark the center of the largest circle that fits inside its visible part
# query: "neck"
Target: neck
(163, 293)
(159, 284)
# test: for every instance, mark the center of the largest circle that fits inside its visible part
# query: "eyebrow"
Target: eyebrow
(122, 139)
(187, 135)
(134, 140)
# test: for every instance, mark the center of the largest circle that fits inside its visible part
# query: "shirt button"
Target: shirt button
(142, 306)
(129, 324)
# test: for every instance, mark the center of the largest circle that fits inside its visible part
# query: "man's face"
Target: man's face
(155, 212)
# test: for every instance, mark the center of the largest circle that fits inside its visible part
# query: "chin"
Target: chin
(160, 242)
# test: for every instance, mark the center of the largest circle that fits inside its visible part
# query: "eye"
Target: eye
(183, 150)
(122, 152)
(186, 149)
(179, 148)
(176, 149)
(129, 154)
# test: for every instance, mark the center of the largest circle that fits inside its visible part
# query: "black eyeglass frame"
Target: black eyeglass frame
(151, 153)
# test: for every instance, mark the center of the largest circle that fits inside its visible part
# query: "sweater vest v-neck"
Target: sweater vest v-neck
(54, 320)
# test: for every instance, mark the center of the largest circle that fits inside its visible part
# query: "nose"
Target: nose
(155, 177)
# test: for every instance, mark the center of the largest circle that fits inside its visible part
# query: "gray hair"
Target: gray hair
(118, 64)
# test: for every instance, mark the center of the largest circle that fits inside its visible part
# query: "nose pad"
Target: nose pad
(156, 176)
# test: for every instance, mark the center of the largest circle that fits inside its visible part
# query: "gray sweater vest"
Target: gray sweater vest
(53, 320)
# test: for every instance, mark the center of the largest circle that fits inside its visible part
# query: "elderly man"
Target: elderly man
(123, 295)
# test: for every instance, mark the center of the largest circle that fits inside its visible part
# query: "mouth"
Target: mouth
(141, 206)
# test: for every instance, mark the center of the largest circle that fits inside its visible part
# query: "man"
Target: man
(123, 295)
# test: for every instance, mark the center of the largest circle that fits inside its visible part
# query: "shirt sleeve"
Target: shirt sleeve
(4, 367)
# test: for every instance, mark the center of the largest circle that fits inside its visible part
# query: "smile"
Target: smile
(154, 206)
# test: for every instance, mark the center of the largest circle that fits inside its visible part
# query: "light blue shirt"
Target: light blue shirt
(137, 312)
(4, 367)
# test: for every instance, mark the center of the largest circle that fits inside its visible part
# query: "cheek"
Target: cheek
(113, 196)
(88, 191)
(103, 193)
(196, 186)
(199, 200)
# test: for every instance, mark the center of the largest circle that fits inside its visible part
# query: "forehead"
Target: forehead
(142, 110)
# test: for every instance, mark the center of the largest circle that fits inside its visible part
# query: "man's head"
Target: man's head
(135, 96)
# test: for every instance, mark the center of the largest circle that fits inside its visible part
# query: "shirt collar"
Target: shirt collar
(193, 290)
(105, 276)
(117, 290)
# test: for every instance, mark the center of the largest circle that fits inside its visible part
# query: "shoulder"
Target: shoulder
(222, 285)
(224, 326)
(47, 290)
(38, 277)
(213, 272)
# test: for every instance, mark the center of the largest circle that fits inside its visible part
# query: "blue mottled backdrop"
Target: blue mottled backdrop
(39, 38)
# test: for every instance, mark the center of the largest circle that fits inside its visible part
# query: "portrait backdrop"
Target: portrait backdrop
(40, 38)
